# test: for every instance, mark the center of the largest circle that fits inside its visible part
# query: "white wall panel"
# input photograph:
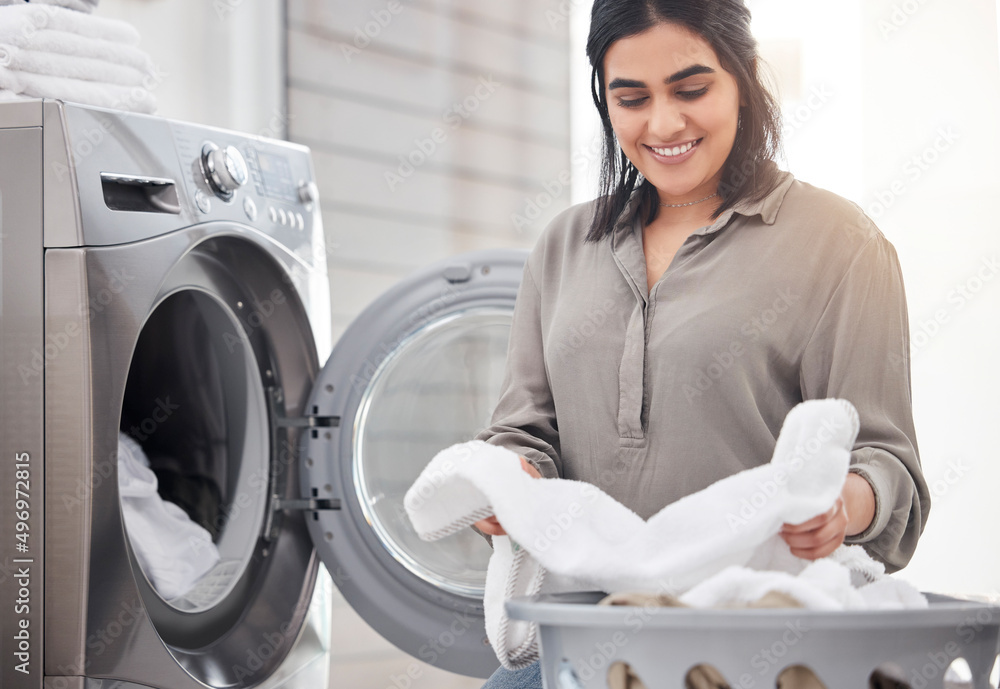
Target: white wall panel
(541, 19)
(360, 239)
(330, 123)
(482, 99)
(434, 34)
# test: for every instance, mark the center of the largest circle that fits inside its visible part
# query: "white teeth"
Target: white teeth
(676, 150)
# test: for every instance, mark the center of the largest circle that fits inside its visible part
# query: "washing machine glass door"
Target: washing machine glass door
(418, 371)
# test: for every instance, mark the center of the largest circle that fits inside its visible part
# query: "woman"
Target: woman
(663, 331)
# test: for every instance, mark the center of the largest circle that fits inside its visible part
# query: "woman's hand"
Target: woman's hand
(850, 515)
(490, 525)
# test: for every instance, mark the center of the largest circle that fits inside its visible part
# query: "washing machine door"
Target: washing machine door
(417, 371)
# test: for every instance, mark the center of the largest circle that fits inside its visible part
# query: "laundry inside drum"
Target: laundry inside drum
(193, 451)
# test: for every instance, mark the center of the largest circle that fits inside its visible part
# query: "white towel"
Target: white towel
(75, 45)
(23, 19)
(572, 535)
(18, 60)
(21, 85)
(52, 52)
(821, 585)
(173, 551)
(78, 5)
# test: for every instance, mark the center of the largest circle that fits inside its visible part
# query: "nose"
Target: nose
(666, 119)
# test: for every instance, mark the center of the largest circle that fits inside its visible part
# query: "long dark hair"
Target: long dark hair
(725, 24)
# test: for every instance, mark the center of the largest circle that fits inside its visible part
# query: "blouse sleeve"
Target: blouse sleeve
(859, 351)
(524, 420)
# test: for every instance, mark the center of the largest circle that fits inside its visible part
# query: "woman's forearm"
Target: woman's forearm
(859, 499)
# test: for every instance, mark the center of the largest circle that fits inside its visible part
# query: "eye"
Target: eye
(632, 102)
(692, 95)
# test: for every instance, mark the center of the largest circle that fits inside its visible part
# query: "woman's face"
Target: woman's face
(673, 108)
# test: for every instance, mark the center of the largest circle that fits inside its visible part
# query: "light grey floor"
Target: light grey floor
(361, 659)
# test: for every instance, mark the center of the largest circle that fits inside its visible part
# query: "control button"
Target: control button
(250, 208)
(282, 216)
(272, 214)
(224, 168)
(300, 221)
(308, 193)
(458, 273)
(203, 202)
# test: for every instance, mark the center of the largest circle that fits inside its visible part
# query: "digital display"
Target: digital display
(276, 175)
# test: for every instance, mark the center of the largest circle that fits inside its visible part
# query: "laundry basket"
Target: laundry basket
(580, 641)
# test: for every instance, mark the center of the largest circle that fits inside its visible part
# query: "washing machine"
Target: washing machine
(165, 284)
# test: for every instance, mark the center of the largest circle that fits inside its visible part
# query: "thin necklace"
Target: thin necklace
(693, 203)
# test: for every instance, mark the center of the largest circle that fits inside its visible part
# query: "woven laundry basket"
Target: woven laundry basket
(580, 640)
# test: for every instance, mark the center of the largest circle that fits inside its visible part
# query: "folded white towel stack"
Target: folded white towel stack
(715, 547)
(78, 5)
(48, 50)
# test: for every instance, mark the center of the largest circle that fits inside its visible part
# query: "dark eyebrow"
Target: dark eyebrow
(626, 84)
(691, 71)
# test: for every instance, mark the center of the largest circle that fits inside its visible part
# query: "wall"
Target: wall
(437, 127)
(931, 141)
(221, 62)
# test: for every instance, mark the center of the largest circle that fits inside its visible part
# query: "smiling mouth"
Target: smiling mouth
(670, 152)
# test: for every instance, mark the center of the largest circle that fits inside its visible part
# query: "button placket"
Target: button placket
(630, 377)
(630, 260)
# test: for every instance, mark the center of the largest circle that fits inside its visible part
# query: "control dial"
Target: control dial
(225, 169)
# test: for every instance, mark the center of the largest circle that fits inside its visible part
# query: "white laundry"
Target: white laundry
(23, 61)
(173, 551)
(825, 584)
(48, 51)
(78, 5)
(27, 18)
(26, 85)
(571, 535)
(53, 42)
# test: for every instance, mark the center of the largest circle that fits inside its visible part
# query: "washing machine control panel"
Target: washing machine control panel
(138, 177)
(263, 182)
(275, 181)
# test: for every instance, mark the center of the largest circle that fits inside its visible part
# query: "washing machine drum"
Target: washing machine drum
(240, 461)
(193, 453)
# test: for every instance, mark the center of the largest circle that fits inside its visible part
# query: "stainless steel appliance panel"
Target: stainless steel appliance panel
(24, 353)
